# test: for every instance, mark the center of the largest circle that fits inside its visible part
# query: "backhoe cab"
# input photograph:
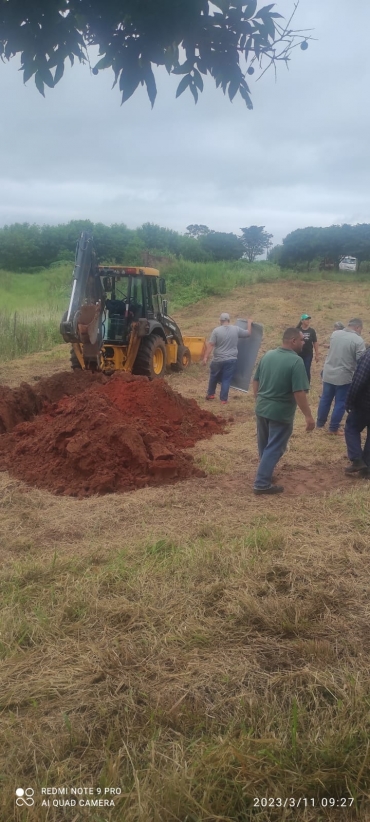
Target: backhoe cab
(118, 321)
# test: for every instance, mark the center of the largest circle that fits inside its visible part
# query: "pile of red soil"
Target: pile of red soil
(107, 435)
(21, 404)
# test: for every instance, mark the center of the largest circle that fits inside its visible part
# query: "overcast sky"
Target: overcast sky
(300, 158)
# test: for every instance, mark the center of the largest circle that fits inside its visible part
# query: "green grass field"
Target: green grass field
(32, 304)
(192, 645)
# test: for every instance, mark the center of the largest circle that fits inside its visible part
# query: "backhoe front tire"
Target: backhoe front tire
(151, 357)
(183, 359)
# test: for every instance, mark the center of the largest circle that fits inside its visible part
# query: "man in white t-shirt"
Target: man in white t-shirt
(223, 342)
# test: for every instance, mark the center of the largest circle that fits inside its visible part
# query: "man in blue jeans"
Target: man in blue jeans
(223, 342)
(346, 348)
(358, 406)
(280, 384)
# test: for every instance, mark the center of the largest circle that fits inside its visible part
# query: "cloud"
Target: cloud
(300, 158)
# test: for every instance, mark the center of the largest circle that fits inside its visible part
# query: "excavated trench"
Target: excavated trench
(79, 434)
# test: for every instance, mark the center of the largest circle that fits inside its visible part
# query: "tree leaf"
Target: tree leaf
(198, 80)
(265, 11)
(184, 68)
(202, 65)
(257, 45)
(233, 88)
(129, 81)
(183, 84)
(39, 83)
(246, 97)
(104, 63)
(46, 76)
(59, 71)
(150, 83)
(268, 28)
(169, 57)
(250, 9)
(194, 91)
(29, 70)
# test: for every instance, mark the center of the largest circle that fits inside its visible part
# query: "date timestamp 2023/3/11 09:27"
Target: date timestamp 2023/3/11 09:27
(303, 802)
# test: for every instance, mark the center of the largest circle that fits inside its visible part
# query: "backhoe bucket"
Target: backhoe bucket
(196, 346)
(88, 323)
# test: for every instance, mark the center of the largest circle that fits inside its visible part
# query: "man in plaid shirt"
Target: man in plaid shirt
(358, 405)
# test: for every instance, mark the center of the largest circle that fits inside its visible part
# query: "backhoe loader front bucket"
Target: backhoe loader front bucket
(196, 346)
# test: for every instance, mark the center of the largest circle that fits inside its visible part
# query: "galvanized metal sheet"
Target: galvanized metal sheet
(248, 348)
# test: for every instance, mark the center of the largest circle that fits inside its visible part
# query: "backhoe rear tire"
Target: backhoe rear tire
(183, 359)
(151, 357)
(75, 363)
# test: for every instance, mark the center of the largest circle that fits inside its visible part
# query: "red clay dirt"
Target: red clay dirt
(23, 403)
(107, 435)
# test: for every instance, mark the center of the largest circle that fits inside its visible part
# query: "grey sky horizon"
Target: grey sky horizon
(299, 158)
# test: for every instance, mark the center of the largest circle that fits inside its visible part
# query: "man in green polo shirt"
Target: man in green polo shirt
(279, 385)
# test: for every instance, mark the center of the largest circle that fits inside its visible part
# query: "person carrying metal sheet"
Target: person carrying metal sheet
(279, 385)
(223, 342)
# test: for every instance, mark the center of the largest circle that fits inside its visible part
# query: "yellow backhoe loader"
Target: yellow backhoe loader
(117, 320)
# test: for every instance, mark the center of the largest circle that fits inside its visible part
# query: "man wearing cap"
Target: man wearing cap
(223, 342)
(310, 343)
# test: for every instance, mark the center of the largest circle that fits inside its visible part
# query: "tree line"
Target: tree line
(325, 245)
(25, 247)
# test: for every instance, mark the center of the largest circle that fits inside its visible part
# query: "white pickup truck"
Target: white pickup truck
(348, 264)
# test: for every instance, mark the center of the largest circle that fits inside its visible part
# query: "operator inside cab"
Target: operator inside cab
(118, 308)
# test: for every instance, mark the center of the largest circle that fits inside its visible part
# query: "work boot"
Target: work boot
(364, 473)
(273, 489)
(356, 465)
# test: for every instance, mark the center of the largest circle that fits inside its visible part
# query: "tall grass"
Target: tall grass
(31, 309)
(45, 289)
(189, 282)
(25, 334)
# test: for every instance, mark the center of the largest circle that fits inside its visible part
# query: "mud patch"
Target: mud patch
(313, 480)
(318, 479)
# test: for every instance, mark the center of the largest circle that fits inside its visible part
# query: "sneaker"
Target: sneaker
(210, 396)
(356, 465)
(273, 489)
(224, 402)
(338, 433)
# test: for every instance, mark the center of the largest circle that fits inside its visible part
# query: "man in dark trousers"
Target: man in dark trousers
(346, 348)
(280, 384)
(358, 406)
(309, 343)
(223, 342)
